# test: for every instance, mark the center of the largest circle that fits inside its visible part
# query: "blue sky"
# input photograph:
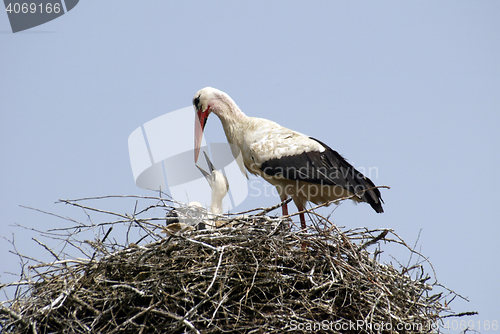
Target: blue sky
(410, 88)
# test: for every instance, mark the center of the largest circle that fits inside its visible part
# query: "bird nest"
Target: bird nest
(254, 274)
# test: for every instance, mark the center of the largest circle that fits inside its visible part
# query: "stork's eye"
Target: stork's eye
(196, 102)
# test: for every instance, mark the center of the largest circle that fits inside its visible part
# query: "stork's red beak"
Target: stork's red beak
(199, 126)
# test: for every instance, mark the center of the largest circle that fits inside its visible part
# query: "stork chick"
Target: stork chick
(194, 212)
(219, 185)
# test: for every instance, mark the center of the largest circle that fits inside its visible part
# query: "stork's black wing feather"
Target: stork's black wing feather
(328, 168)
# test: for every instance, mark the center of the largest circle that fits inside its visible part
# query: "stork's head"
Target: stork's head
(218, 183)
(206, 101)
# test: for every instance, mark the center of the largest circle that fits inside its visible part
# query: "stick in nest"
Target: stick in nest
(250, 276)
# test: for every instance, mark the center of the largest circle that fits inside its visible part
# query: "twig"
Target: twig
(221, 250)
(374, 240)
(462, 314)
(130, 320)
(250, 276)
(47, 248)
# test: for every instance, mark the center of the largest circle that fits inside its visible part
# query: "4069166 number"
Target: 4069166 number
(478, 325)
(33, 8)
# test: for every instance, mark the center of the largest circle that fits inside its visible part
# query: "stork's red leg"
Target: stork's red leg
(300, 207)
(284, 209)
(302, 220)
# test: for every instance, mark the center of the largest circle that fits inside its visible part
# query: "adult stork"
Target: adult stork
(299, 166)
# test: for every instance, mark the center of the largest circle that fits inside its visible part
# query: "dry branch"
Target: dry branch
(252, 275)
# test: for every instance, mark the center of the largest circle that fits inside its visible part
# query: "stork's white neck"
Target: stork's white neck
(216, 205)
(220, 186)
(232, 119)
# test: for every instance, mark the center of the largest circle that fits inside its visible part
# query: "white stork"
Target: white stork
(219, 185)
(299, 166)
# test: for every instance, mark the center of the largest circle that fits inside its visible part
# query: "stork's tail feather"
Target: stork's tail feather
(370, 194)
(376, 205)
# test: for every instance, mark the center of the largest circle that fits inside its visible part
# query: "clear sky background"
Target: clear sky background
(410, 88)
